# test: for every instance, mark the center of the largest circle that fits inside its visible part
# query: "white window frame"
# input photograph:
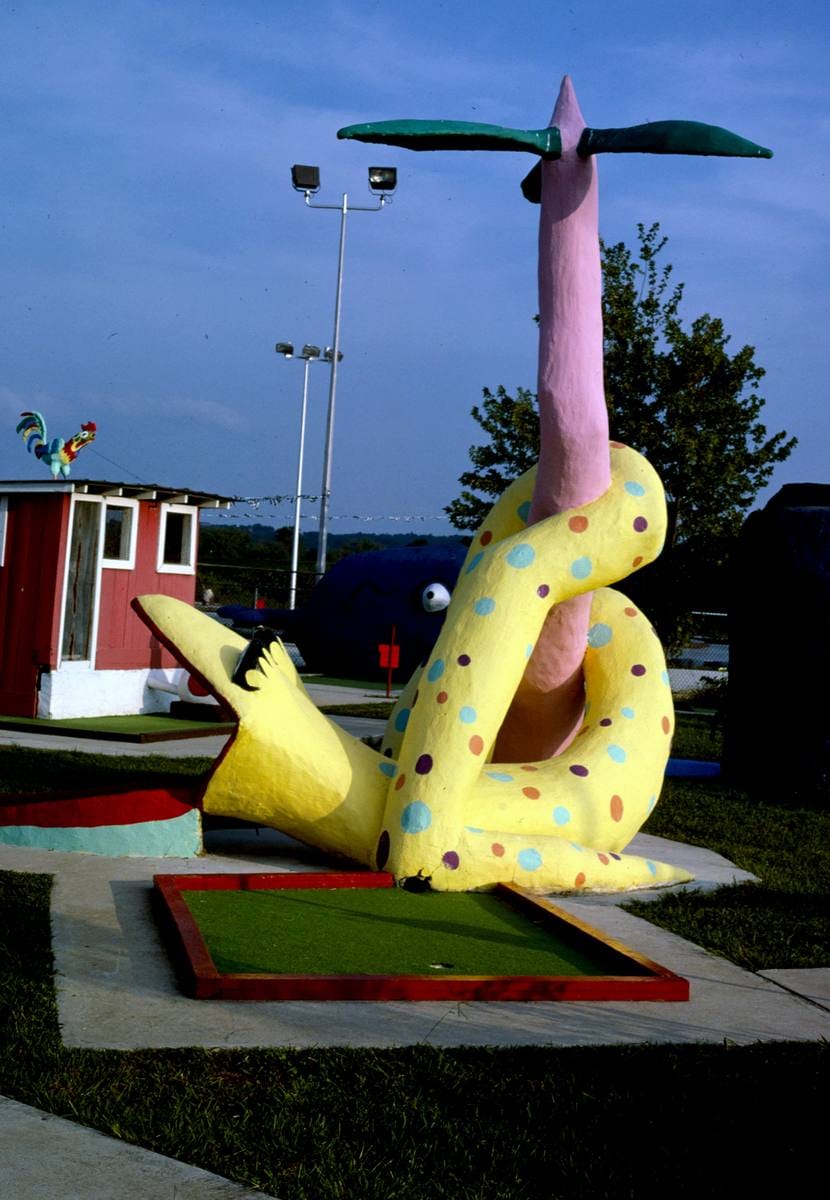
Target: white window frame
(188, 568)
(120, 564)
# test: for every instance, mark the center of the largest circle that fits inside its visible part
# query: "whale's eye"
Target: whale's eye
(435, 597)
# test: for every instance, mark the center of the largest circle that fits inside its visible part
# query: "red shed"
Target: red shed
(72, 556)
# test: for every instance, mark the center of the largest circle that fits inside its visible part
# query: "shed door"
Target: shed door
(81, 583)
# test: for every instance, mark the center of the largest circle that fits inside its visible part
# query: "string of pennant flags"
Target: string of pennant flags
(254, 503)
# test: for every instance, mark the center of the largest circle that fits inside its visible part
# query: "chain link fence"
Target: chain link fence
(700, 666)
(252, 586)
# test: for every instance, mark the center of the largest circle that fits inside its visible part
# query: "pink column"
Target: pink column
(574, 461)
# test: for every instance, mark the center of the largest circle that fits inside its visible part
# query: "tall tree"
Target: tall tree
(676, 394)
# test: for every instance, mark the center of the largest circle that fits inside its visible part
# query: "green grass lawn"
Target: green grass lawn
(23, 770)
(781, 921)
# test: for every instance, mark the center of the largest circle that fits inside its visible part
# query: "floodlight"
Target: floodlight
(305, 179)
(383, 179)
(310, 352)
(328, 354)
(286, 348)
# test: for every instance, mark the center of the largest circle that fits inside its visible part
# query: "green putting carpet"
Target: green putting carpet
(119, 729)
(386, 931)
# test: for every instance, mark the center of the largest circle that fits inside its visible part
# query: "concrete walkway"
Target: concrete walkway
(46, 1158)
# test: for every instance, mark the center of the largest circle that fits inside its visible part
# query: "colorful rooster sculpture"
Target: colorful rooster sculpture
(57, 454)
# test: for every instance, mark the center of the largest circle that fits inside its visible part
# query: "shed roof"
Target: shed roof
(131, 491)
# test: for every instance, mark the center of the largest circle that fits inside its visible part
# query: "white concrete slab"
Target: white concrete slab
(44, 1156)
(813, 983)
(116, 988)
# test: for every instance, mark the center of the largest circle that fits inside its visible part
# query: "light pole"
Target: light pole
(382, 183)
(307, 355)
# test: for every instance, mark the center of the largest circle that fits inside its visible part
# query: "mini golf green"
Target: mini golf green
(356, 936)
(138, 728)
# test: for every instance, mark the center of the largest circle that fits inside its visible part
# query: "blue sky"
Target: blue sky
(154, 249)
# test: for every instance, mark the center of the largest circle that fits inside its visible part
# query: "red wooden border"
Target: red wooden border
(202, 980)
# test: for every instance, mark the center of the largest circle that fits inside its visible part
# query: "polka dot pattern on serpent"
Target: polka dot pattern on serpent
(529, 859)
(628, 713)
(474, 561)
(388, 769)
(499, 776)
(616, 807)
(578, 524)
(603, 858)
(523, 511)
(532, 793)
(637, 561)
(451, 860)
(486, 538)
(579, 769)
(402, 720)
(416, 817)
(561, 815)
(382, 852)
(476, 743)
(543, 590)
(484, 606)
(599, 635)
(640, 524)
(520, 556)
(399, 782)
(666, 725)
(617, 754)
(630, 612)
(605, 722)
(424, 765)
(582, 567)
(634, 489)
(468, 715)
(442, 698)
(436, 670)
(497, 849)
(463, 660)
(638, 669)
(580, 880)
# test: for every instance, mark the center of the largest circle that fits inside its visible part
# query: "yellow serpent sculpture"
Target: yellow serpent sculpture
(433, 807)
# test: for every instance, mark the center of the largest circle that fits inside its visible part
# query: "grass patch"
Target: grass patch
(379, 711)
(782, 921)
(368, 685)
(23, 771)
(474, 1124)
(100, 726)
(697, 735)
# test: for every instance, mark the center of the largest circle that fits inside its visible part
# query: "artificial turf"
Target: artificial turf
(386, 931)
(131, 728)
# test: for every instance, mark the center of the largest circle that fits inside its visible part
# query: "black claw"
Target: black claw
(249, 659)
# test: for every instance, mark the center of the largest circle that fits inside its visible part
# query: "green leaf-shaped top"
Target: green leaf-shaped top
(670, 137)
(456, 135)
